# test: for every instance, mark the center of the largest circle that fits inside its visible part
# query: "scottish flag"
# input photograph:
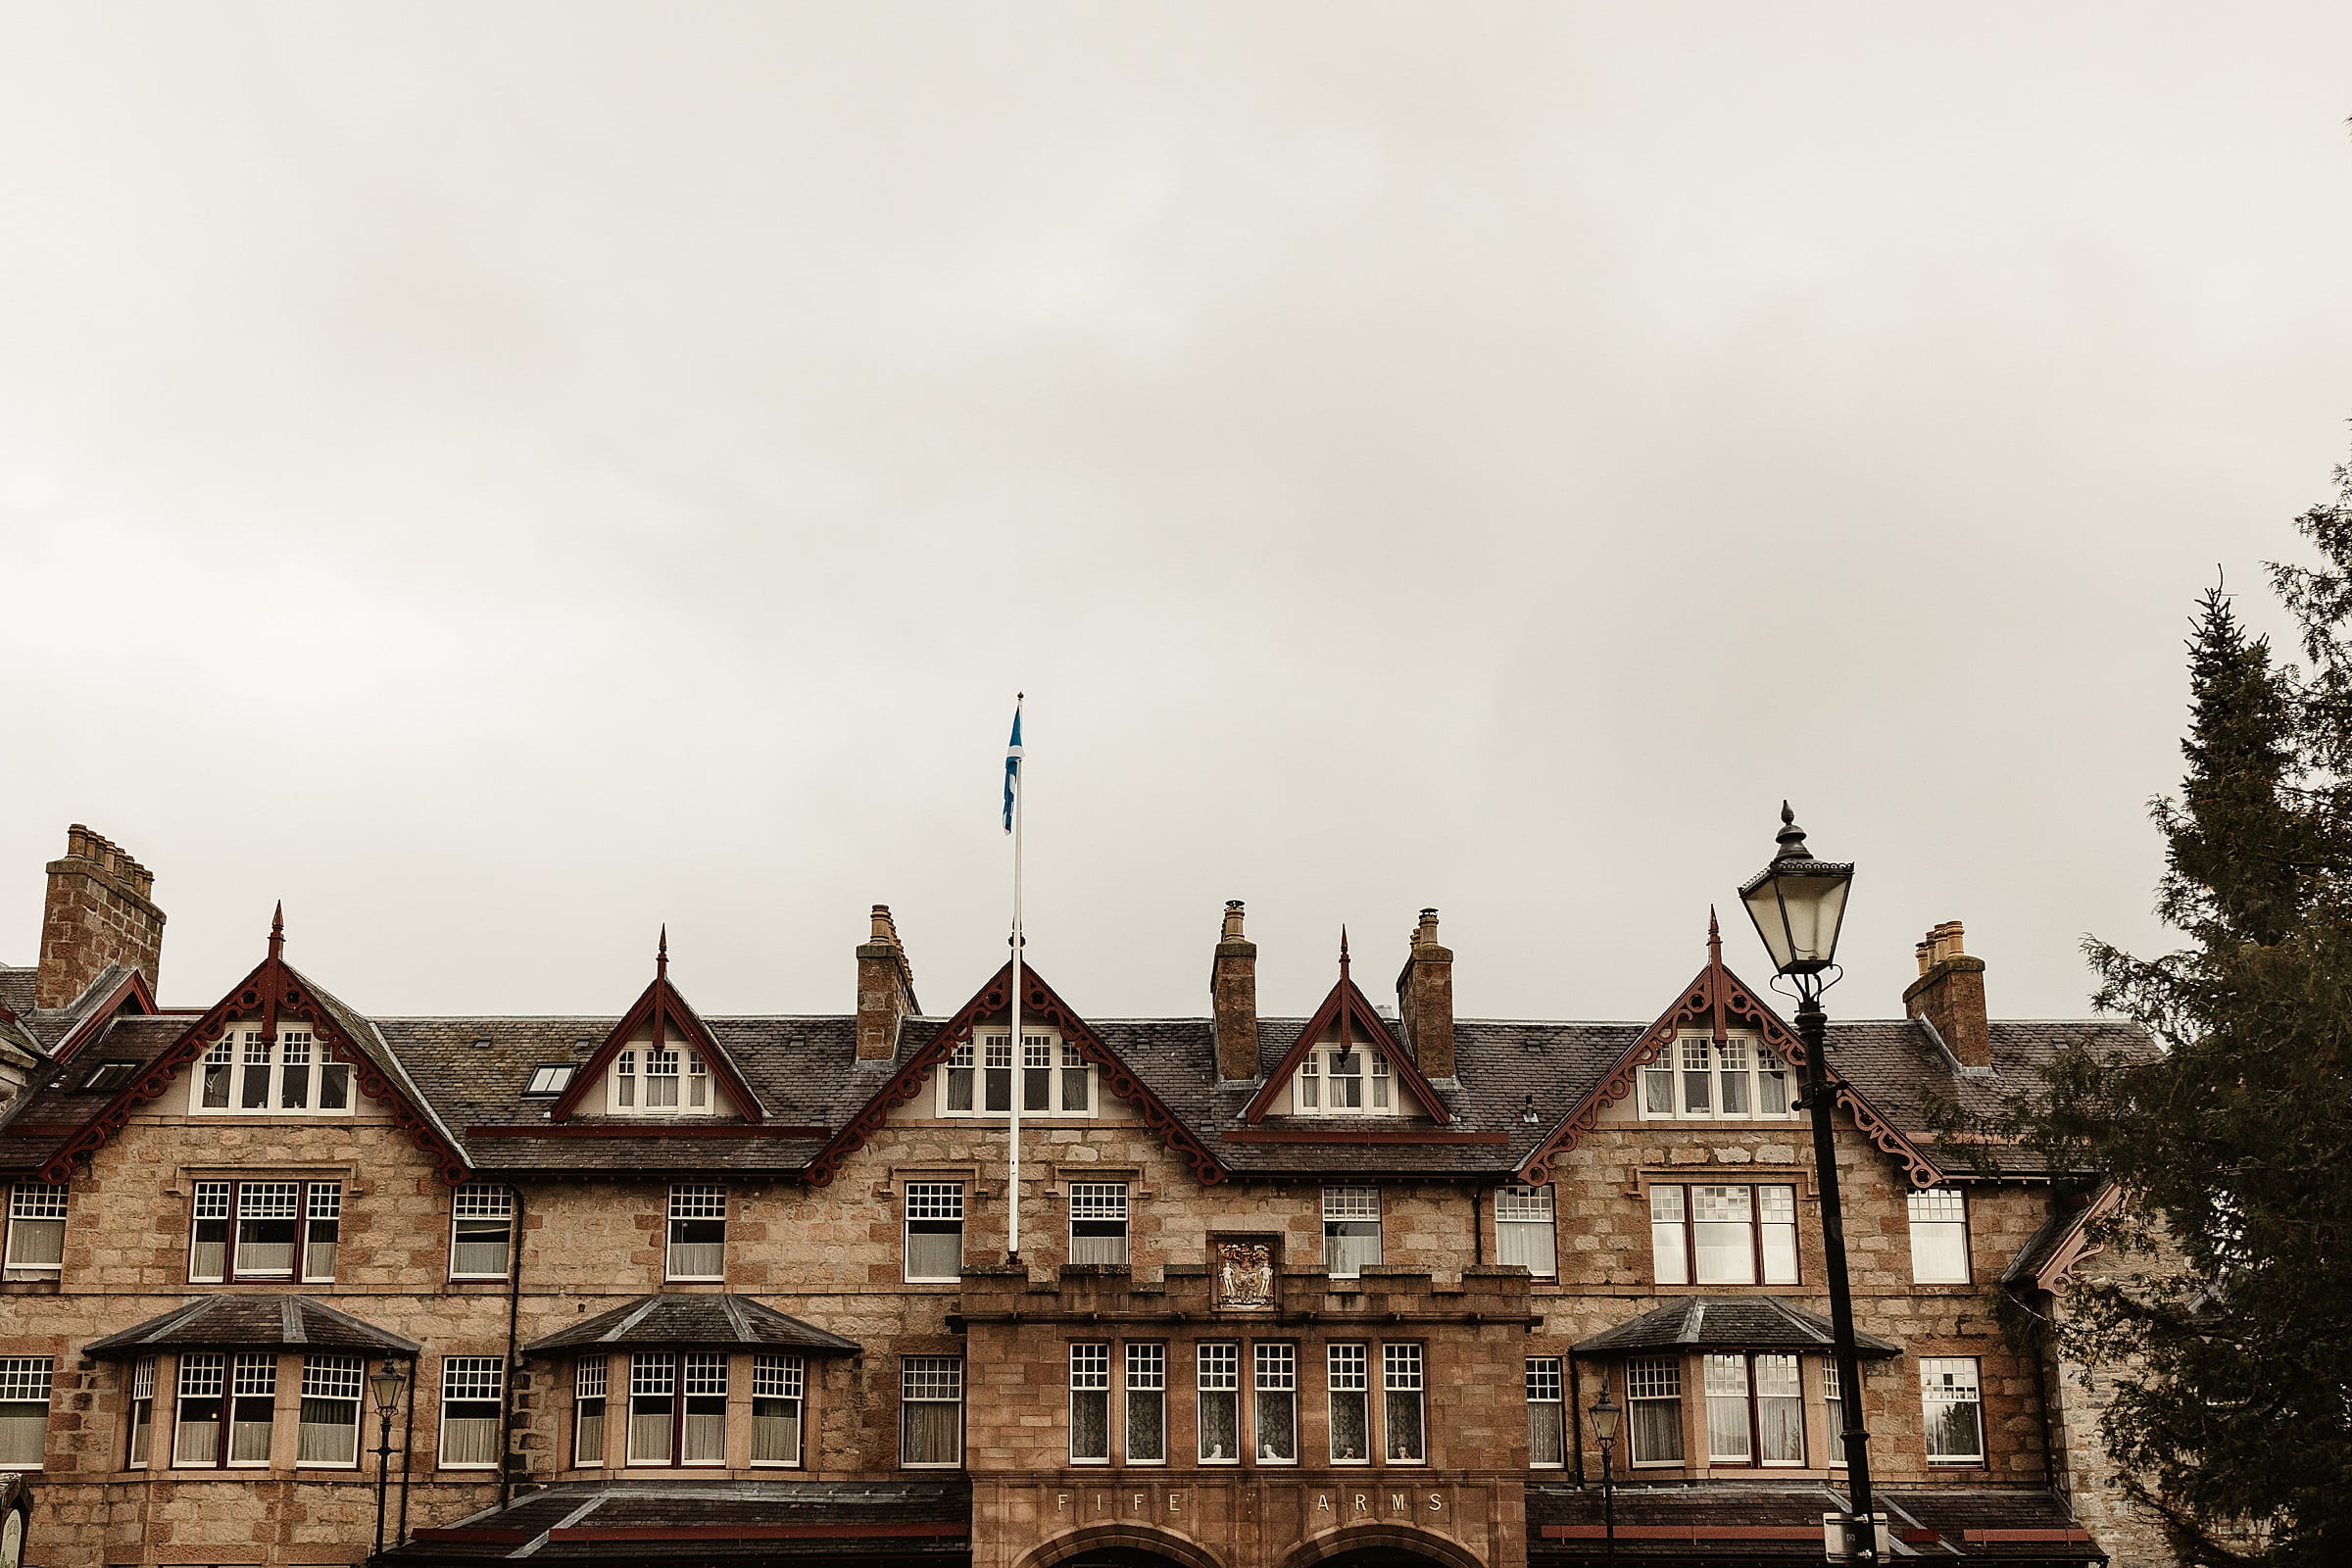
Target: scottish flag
(1012, 767)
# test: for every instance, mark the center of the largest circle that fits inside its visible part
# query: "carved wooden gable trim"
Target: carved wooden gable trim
(274, 993)
(1039, 1002)
(1346, 1005)
(1720, 999)
(665, 1009)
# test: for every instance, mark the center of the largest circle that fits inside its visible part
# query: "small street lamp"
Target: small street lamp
(385, 1387)
(1606, 1417)
(1798, 903)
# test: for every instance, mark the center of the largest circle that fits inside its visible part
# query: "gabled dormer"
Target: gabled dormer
(660, 1064)
(1348, 1063)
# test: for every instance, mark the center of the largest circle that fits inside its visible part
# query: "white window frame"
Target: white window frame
(1346, 1211)
(1546, 1413)
(1690, 1070)
(1400, 1389)
(1102, 1205)
(1939, 1239)
(778, 1379)
(138, 1437)
(471, 1381)
(27, 1390)
(36, 1230)
(967, 1072)
(1317, 1085)
(1274, 1370)
(929, 1380)
(1833, 1414)
(1527, 1230)
(1657, 1380)
(336, 1380)
(1217, 1374)
(1145, 1393)
(1347, 1377)
(695, 1203)
(241, 1057)
(480, 1205)
(1946, 1383)
(640, 1070)
(314, 1208)
(1774, 1255)
(932, 1204)
(591, 1384)
(1090, 1398)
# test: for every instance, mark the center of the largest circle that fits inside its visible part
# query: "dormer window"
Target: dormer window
(247, 1073)
(651, 1080)
(1697, 1079)
(1345, 1081)
(1056, 1078)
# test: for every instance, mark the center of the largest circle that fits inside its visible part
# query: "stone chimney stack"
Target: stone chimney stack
(885, 990)
(97, 913)
(1233, 992)
(1425, 999)
(1949, 994)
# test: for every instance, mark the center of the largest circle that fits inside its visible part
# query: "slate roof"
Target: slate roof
(1729, 1323)
(1660, 1523)
(246, 1322)
(740, 1522)
(731, 1320)
(49, 1025)
(33, 1128)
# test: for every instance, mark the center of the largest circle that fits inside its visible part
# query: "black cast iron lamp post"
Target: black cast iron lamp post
(1605, 1415)
(384, 1386)
(1797, 903)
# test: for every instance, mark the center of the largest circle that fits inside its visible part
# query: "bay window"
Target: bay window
(36, 1230)
(227, 1406)
(1834, 1409)
(1547, 1413)
(1217, 1379)
(1728, 1435)
(703, 1408)
(1755, 1409)
(1938, 1236)
(472, 1391)
(141, 1436)
(652, 1406)
(1275, 1386)
(931, 1412)
(588, 1413)
(1654, 1402)
(1723, 1235)
(776, 1385)
(330, 1411)
(25, 1385)
(1524, 1232)
(1350, 1388)
(1952, 1404)
(698, 1232)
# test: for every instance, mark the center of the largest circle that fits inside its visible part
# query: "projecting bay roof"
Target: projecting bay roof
(1728, 1323)
(739, 1521)
(735, 1321)
(1759, 1522)
(252, 1322)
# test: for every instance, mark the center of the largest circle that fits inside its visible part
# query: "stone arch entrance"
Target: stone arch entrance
(1381, 1545)
(1119, 1546)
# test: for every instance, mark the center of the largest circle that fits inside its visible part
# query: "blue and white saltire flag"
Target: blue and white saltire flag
(1012, 767)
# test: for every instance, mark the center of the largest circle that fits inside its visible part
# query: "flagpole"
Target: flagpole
(1020, 1066)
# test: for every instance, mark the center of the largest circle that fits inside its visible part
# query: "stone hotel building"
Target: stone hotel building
(645, 1285)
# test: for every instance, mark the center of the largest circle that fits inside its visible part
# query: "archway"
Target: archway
(1381, 1545)
(1119, 1546)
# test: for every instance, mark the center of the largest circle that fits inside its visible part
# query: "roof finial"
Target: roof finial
(661, 955)
(1791, 838)
(278, 932)
(1714, 938)
(1343, 953)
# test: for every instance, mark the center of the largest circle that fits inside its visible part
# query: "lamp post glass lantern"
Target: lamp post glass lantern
(1606, 1414)
(1799, 904)
(384, 1385)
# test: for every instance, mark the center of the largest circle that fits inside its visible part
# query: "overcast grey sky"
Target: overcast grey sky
(501, 476)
